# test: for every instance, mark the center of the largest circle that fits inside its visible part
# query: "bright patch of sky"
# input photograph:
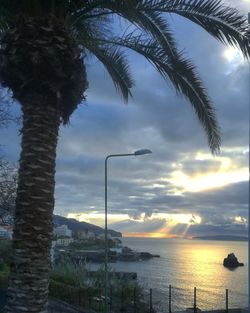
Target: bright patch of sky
(145, 222)
(234, 58)
(226, 173)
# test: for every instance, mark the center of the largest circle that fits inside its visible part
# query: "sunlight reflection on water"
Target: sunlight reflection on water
(186, 264)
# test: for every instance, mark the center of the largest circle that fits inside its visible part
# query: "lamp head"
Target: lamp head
(142, 151)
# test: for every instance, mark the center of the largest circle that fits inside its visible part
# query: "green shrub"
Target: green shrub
(69, 273)
(4, 276)
(119, 285)
(79, 296)
(4, 268)
(5, 251)
(70, 283)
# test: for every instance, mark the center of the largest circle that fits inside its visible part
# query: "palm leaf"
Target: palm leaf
(113, 59)
(185, 79)
(148, 22)
(160, 30)
(224, 23)
(116, 64)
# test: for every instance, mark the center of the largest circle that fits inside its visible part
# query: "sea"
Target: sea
(185, 264)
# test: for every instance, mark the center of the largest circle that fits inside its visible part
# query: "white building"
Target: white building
(117, 242)
(52, 251)
(63, 231)
(86, 234)
(64, 241)
(118, 250)
(102, 236)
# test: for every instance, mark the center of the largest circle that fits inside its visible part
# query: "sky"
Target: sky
(181, 189)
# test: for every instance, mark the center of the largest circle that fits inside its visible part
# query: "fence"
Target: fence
(123, 299)
(120, 300)
(192, 300)
(135, 301)
(194, 308)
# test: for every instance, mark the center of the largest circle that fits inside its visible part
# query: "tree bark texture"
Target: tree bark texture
(29, 277)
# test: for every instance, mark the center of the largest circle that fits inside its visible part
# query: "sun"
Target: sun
(232, 55)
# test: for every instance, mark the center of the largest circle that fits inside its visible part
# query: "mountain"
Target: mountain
(75, 226)
(222, 237)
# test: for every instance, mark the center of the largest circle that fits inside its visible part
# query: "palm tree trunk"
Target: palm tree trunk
(29, 276)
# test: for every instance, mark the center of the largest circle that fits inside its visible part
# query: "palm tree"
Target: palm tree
(43, 45)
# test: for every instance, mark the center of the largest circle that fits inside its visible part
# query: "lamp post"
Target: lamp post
(248, 35)
(136, 153)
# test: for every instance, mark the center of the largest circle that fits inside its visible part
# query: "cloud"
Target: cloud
(215, 230)
(147, 226)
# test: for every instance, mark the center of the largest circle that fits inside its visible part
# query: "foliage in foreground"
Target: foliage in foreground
(69, 273)
(5, 252)
(73, 284)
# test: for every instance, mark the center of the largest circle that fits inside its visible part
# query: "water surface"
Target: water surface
(186, 264)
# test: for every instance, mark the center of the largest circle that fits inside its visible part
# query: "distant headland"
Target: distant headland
(222, 238)
(75, 226)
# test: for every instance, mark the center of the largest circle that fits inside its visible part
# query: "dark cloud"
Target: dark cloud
(216, 230)
(147, 226)
(233, 196)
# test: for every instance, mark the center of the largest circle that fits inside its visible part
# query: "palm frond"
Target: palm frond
(116, 64)
(185, 79)
(224, 23)
(113, 59)
(149, 22)
(159, 28)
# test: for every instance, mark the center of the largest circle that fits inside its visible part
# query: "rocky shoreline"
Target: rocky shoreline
(123, 254)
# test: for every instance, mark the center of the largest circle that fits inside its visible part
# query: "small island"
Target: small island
(231, 261)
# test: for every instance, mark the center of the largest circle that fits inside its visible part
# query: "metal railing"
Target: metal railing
(127, 300)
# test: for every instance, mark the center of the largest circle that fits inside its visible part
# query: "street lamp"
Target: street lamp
(248, 35)
(136, 153)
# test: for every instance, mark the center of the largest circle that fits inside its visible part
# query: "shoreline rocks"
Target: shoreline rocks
(129, 255)
(98, 256)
